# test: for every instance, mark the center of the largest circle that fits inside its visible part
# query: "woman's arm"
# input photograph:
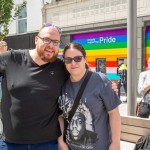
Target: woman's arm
(115, 124)
(141, 88)
(61, 144)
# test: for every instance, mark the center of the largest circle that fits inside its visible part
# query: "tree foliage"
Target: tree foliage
(8, 13)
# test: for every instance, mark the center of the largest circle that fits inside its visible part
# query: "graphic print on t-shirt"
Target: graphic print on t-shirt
(80, 131)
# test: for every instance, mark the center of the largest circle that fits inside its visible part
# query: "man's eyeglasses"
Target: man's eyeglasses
(48, 41)
(69, 60)
(48, 25)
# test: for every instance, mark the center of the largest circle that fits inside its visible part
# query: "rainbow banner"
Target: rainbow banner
(110, 44)
(147, 45)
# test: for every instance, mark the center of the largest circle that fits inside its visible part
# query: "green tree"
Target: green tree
(8, 13)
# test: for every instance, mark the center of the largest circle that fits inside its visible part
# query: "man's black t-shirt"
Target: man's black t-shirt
(29, 100)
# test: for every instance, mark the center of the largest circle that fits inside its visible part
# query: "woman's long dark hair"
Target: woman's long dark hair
(79, 47)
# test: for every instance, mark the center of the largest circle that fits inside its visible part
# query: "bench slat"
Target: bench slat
(129, 137)
(135, 121)
(132, 128)
(135, 130)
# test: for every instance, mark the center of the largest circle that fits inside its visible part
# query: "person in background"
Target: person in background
(97, 115)
(144, 83)
(122, 72)
(3, 48)
(31, 85)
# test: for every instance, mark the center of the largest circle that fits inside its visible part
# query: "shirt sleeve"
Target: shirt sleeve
(108, 95)
(141, 83)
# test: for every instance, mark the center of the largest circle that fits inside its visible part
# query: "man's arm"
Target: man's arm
(114, 87)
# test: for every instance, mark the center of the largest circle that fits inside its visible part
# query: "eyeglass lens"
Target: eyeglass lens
(48, 41)
(68, 60)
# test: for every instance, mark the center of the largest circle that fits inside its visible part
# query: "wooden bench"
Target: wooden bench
(132, 128)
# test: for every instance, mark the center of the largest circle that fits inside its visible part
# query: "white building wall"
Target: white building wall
(79, 12)
(34, 17)
(69, 13)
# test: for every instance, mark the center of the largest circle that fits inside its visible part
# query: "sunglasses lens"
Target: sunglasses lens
(67, 60)
(77, 58)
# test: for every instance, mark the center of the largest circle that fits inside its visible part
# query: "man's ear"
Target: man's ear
(36, 39)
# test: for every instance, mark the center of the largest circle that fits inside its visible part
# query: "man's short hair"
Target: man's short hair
(121, 59)
(3, 43)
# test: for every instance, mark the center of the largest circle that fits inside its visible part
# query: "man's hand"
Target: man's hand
(114, 87)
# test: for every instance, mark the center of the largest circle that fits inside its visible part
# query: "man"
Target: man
(122, 72)
(31, 86)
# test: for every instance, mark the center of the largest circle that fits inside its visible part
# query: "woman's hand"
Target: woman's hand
(114, 146)
(146, 87)
(62, 146)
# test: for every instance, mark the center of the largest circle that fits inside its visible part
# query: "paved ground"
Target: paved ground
(126, 145)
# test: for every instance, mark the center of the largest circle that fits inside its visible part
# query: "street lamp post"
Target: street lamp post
(132, 56)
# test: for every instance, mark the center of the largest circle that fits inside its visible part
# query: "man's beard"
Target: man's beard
(47, 60)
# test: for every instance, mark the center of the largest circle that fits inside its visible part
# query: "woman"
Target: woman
(144, 83)
(96, 123)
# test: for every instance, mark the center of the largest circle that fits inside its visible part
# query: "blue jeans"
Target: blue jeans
(52, 145)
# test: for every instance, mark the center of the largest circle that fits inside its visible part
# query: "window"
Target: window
(101, 65)
(22, 21)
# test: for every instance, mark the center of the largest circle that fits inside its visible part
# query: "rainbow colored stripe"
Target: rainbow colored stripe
(110, 44)
(147, 44)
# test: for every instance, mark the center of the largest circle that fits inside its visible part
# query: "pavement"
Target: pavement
(126, 145)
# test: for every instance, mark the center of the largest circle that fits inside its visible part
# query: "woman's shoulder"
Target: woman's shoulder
(99, 77)
(145, 73)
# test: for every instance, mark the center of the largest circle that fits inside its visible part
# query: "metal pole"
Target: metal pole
(132, 57)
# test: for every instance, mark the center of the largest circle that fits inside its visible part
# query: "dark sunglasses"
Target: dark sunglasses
(49, 24)
(69, 60)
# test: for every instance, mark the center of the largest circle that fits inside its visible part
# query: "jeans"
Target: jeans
(52, 145)
(119, 87)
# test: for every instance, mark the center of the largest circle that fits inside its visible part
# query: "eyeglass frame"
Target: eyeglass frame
(71, 59)
(50, 40)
